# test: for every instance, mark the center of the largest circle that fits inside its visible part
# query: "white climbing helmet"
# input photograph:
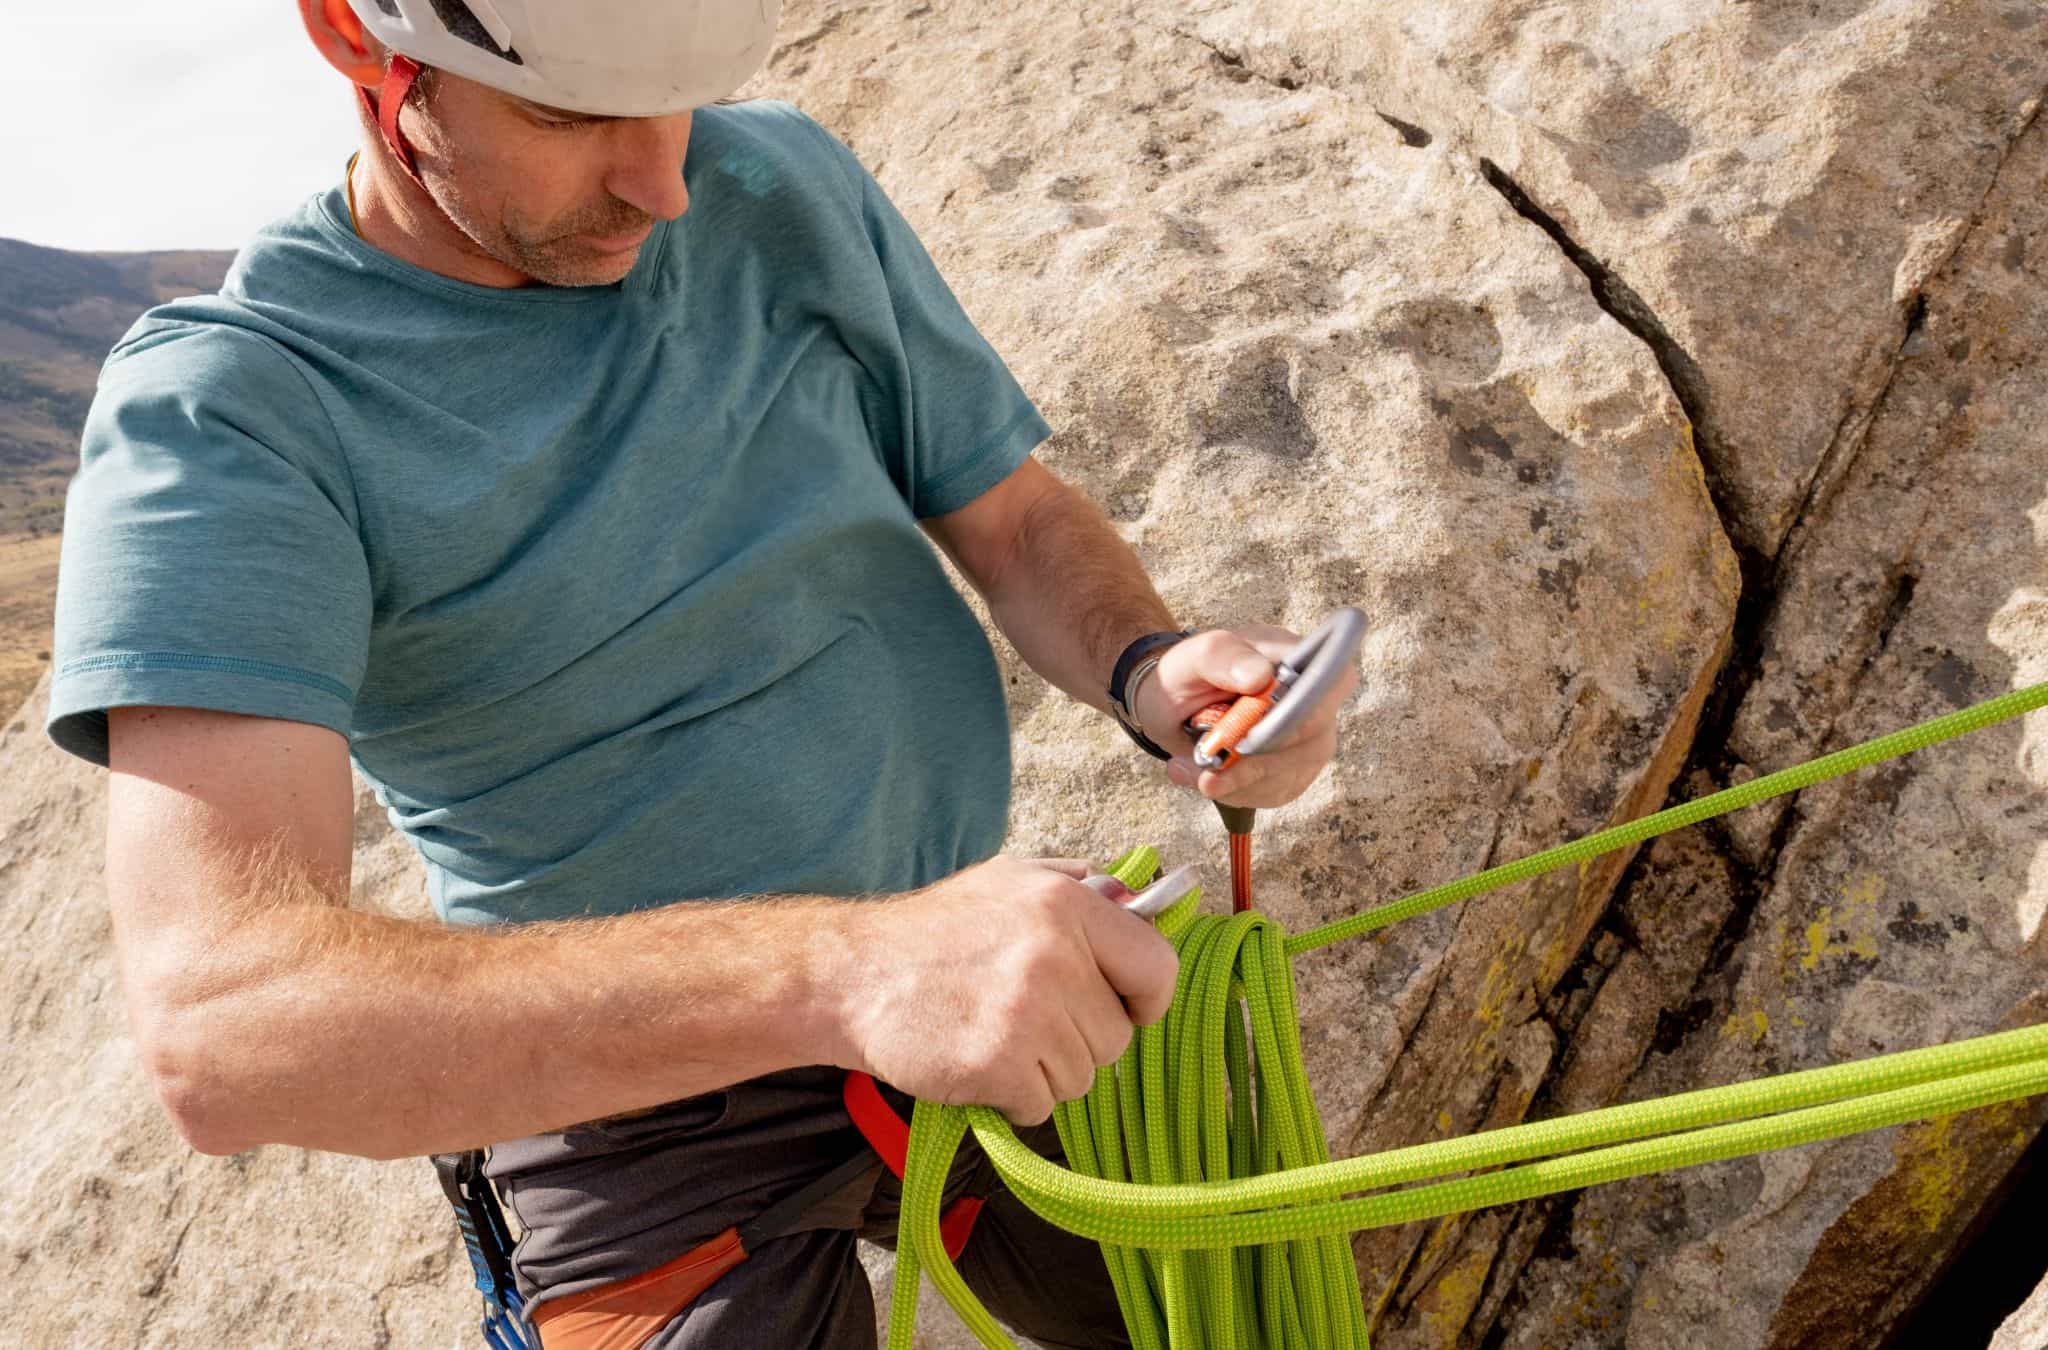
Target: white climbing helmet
(609, 58)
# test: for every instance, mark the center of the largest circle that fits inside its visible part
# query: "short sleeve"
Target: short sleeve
(970, 422)
(210, 556)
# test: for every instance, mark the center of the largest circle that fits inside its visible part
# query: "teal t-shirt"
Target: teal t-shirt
(617, 592)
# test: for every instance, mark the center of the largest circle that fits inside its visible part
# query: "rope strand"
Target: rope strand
(1199, 1163)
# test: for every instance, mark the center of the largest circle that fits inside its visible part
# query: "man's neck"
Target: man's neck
(394, 214)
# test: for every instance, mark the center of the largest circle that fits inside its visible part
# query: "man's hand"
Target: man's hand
(1220, 665)
(1007, 985)
(1067, 590)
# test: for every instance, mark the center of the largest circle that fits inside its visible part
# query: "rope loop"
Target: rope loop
(1199, 1162)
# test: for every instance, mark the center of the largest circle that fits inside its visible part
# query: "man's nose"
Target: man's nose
(646, 168)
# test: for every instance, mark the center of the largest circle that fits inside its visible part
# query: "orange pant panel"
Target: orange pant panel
(622, 1316)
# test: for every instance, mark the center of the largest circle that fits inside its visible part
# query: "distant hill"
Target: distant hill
(59, 313)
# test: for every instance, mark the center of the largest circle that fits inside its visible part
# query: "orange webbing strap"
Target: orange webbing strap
(889, 1136)
(622, 1315)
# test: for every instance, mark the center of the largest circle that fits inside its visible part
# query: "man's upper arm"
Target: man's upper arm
(212, 550)
(195, 796)
(983, 536)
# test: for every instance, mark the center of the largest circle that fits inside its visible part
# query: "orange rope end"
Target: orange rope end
(1240, 873)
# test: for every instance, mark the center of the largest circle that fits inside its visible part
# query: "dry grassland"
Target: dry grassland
(28, 596)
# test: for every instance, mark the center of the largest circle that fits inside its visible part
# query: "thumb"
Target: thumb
(1212, 664)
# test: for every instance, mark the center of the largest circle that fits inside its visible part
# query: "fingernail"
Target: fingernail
(1108, 887)
(1249, 671)
(1181, 773)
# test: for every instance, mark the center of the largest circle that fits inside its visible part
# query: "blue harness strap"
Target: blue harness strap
(489, 1243)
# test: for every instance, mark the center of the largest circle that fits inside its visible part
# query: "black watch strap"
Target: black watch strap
(1133, 657)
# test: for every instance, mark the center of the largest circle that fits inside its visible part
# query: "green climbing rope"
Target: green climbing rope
(1917, 737)
(1199, 1163)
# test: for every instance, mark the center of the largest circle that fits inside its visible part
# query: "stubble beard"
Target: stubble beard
(553, 257)
(563, 258)
(559, 255)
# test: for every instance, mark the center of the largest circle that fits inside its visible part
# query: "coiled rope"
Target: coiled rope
(1198, 1160)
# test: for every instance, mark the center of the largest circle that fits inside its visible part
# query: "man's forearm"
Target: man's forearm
(1072, 595)
(460, 1037)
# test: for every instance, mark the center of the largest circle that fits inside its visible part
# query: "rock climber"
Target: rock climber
(573, 467)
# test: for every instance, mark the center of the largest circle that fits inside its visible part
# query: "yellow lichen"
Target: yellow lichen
(1755, 1026)
(1931, 1172)
(1448, 1303)
(1856, 921)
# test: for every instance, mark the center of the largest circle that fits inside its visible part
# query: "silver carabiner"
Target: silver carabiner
(1305, 677)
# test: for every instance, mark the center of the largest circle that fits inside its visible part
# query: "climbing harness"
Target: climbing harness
(1253, 723)
(628, 1312)
(625, 1312)
(1199, 1163)
(888, 1134)
(489, 1243)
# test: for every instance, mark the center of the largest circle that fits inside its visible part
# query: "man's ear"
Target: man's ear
(339, 35)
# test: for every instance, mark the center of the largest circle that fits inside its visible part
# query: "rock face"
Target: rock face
(1323, 304)
(2027, 1328)
(1896, 908)
(1764, 189)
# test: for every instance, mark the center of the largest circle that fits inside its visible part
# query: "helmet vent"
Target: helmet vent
(459, 22)
(390, 7)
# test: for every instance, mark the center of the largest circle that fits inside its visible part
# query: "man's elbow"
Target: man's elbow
(190, 1074)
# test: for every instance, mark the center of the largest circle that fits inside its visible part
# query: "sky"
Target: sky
(186, 124)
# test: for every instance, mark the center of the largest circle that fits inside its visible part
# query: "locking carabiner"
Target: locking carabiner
(1257, 722)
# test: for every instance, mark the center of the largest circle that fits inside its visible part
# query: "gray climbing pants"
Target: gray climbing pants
(602, 1202)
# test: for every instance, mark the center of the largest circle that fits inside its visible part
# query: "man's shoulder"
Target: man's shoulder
(213, 343)
(195, 366)
(236, 326)
(765, 121)
(764, 146)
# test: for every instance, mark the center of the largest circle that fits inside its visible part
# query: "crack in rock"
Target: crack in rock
(1620, 300)
(1413, 136)
(1708, 758)
(1853, 430)
(1235, 67)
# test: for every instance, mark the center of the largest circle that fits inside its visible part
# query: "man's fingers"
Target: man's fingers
(1070, 1072)
(1140, 965)
(1283, 769)
(1103, 1023)
(1072, 867)
(1321, 720)
(1034, 1103)
(1273, 778)
(1214, 665)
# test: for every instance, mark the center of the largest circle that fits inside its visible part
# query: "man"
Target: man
(565, 468)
